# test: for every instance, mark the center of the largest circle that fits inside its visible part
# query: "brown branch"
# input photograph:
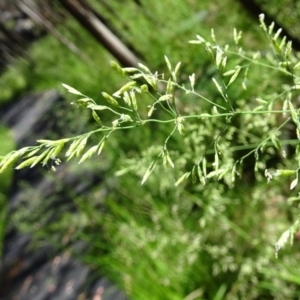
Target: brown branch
(107, 38)
(34, 15)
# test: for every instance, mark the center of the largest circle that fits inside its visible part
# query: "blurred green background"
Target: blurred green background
(154, 241)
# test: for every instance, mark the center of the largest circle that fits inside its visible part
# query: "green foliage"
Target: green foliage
(43, 70)
(281, 9)
(203, 137)
(164, 94)
(12, 82)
